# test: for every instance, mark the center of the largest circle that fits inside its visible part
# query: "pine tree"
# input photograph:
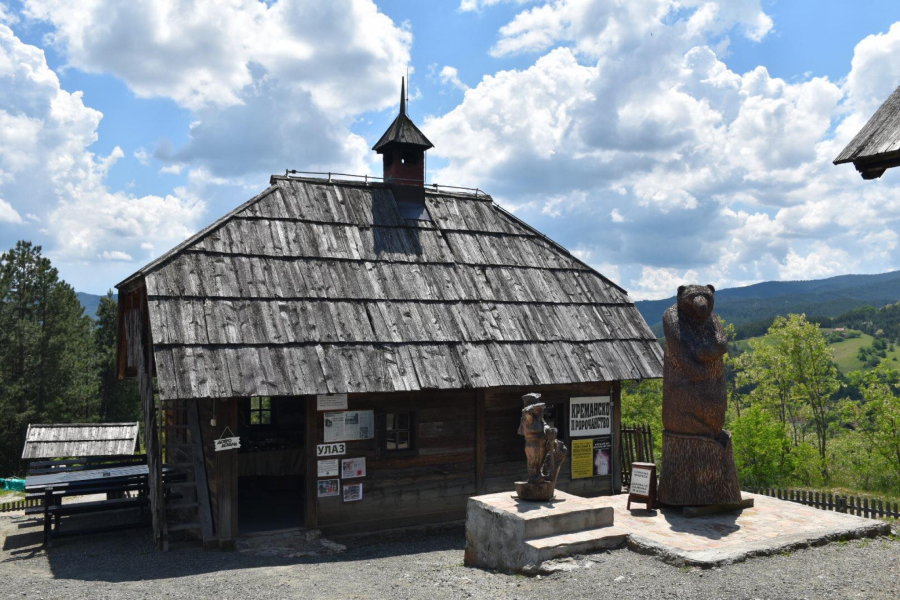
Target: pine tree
(120, 401)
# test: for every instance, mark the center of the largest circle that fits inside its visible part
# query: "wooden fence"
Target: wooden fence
(20, 504)
(636, 446)
(853, 505)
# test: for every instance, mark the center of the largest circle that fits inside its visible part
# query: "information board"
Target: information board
(331, 402)
(602, 450)
(349, 425)
(640, 482)
(582, 459)
(329, 468)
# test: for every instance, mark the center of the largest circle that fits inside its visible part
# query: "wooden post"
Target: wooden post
(480, 442)
(616, 399)
(226, 475)
(309, 483)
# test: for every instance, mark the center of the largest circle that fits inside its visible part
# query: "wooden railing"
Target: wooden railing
(636, 446)
(853, 505)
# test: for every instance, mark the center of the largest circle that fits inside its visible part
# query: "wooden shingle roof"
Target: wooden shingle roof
(80, 439)
(876, 147)
(320, 286)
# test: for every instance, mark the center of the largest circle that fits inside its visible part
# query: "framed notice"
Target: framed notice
(328, 468)
(329, 487)
(590, 416)
(643, 484)
(602, 455)
(349, 425)
(353, 492)
(353, 467)
(582, 459)
(331, 402)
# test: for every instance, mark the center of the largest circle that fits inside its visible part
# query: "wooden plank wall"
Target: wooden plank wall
(505, 453)
(431, 487)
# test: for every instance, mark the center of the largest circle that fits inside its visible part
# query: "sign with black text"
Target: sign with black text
(331, 402)
(331, 449)
(590, 416)
(329, 468)
(227, 443)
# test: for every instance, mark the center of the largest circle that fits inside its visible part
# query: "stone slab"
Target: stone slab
(769, 527)
(500, 529)
(715, 509)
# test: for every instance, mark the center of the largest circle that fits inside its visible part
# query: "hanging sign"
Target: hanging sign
(353, 467)
(590, 416)
(602, 456)
(329, 487)
(227, 443)
(331, 402)
(331, 449)
(349, 425)
(352, 492)
(582, 453)
(329, 468)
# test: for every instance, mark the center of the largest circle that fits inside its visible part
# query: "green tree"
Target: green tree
(878, 416)
(47, 354)
(761, 448)
(642, 404)
(119, 400)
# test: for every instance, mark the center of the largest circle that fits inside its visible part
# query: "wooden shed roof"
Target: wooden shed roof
(80, 439)
(877, 145)
(319, 286)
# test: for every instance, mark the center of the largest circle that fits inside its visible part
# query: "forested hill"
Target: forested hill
(822, 297)
(90, 302)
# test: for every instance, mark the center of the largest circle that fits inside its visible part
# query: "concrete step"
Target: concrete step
(579, 542)
(574, 514)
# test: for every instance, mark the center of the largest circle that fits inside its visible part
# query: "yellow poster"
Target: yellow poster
(582, 459)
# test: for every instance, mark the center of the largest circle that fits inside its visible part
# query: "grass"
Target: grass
(845, 352)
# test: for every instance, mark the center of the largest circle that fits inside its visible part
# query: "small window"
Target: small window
(397, 433)
(261, 411)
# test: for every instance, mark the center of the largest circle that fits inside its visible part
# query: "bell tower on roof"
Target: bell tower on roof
(403, 149)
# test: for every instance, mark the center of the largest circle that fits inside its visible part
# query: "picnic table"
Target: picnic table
(114, 482)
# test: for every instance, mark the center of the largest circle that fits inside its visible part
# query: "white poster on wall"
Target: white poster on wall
(349, 425)
(331, 402)
(353, 467)
(590, 416)
(329, 468)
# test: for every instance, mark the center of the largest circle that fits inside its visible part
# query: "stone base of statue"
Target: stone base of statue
(542, 491)
(509, 534)
(698, 471)
(715, 509)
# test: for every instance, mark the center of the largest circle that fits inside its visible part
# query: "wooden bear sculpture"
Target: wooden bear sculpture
(697, 459)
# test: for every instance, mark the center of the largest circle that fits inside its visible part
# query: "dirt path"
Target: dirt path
(418, 565)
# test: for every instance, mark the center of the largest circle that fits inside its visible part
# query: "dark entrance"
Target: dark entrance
(270, 464)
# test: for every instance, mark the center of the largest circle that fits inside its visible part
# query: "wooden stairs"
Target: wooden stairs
(185, 505)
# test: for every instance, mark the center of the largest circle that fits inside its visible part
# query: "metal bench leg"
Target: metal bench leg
(48, 518)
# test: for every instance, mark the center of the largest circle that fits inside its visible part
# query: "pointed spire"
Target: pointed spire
(403, 96)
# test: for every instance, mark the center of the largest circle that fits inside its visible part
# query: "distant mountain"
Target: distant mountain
(820, 297)
(90, 302)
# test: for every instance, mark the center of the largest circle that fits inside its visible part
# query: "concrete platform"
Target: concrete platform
(513, 535)
(769, 527)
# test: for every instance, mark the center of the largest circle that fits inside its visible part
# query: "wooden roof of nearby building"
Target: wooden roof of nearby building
(320, 286)
(876, 147)
(80, 439)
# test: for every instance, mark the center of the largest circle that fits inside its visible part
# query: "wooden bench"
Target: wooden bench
(53, 513)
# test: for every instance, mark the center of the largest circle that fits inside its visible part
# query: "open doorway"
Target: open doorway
(270, 464)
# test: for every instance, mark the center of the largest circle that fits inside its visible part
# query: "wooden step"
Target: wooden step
(577, 543)
(183, 526)
(184, 504)
(179, 484)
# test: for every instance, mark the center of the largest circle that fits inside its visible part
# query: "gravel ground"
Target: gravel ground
(425, 565)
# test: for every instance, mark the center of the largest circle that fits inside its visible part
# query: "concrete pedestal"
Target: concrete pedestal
(512, 535)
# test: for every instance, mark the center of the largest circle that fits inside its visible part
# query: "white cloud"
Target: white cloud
(707, 173)
(142, 156)
(478, 5)
(46, 167)
(115, 255)
(7, 17)
(450, 76)
(8, 214)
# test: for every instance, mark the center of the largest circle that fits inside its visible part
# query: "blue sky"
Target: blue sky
(664, 142)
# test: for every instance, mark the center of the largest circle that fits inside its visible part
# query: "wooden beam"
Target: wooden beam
(616, 399)
(206, 525)
(311, 439)
(227, 476)
(480, 442)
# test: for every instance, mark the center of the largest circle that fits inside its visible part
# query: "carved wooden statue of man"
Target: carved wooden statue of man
(544, 453)
(697, 461)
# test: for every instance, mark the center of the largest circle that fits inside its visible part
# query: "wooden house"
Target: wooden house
(876, 147)
(369, 344)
